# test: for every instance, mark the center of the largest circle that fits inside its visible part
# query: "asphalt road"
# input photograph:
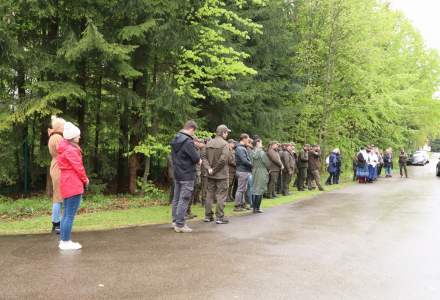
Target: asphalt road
(376, 241)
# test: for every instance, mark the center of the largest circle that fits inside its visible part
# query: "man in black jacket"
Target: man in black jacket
(244, 169)
(185, 158)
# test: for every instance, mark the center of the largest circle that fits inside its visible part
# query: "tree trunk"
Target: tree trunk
(96, 165)
(155, 123)
(122, 182)
(22, 129)
(82, 80)
(140, 88)
(51, 42)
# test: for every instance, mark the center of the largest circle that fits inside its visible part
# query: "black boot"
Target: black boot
(56, 227)
(254, 203)
(260, 198)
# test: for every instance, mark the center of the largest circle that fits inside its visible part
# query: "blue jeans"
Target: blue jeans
(372, 173)
(56, 212)
(71, 206)
(388, 171)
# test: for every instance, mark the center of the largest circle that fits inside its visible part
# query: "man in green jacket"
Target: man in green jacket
(303, 165)
(275, 168)
(314, 167)
(289, 163)
(215, 162)
(403, 158)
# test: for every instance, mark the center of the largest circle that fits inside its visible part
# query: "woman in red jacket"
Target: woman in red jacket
(72, 182)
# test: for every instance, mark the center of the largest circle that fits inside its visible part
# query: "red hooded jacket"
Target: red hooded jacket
(73, 174)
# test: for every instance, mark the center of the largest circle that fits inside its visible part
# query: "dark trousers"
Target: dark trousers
(314, 176)
(280, 183)
(403, 170)
(171, 192)
(287, 179)
(302, 177)
(182, 196)
(273, 180)
(217, 189)
(203, 189)
(336, 177)
(379, 169)
(333, 178)
(232, 185)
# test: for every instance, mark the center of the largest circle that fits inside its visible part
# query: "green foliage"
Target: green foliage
(153, 147)
(136, 31)
(210, 59)
(150, 190)
(339, 73)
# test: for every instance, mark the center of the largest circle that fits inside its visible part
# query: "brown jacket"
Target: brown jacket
(289, 162)
(55, 172)
(275, 161)
(314, 160)
(216, 157)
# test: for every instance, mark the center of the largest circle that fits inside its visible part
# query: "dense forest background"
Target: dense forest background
(340, 73)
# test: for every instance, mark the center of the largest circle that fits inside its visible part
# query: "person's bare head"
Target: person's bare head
(306, 147)
(222, 131)
(231, 144)
(190, 127)
(244, 139)
(274, 145)
(258, 143)
(199, 143)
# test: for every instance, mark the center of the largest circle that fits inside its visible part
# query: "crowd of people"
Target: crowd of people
(211, 171)
(244, 171)
(370, 161)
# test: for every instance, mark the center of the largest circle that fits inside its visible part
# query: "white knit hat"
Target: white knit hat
(71, 131)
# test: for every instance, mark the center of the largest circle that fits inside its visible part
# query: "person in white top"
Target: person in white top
(372, 160)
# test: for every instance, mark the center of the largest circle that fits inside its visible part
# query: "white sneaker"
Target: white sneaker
(184, 229)
(69, 245)
(174, 224)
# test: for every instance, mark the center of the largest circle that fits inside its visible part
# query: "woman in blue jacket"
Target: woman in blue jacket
(334, 167)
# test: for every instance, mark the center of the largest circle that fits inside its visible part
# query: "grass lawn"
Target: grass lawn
(133, 216)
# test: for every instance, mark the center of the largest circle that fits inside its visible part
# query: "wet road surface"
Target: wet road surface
(379, 241)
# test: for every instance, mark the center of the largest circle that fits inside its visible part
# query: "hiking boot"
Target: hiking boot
(208, 219)
(238, 209)
(184, 229)
(56, 227)
(222, 221)
(190, 216)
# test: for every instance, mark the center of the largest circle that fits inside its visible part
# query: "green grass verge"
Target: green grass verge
(134, 216)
